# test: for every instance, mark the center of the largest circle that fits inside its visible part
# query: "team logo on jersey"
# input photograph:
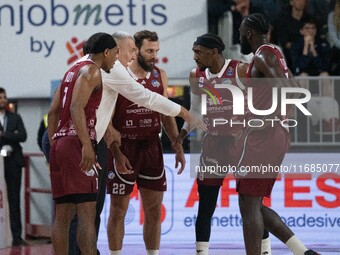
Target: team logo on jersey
(214, 96)
(200, 82)
(226, 81)
(155, 73)
(155, 83)
(230, 71)
(111, 175)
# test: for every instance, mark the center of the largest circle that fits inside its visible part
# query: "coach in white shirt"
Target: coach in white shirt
(119, 81)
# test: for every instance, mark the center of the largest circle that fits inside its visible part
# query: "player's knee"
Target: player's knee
(249, 205)
(117, 213)
(153, 213)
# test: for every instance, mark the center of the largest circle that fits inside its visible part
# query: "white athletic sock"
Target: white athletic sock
(296, 246)
(202, 248)
(119, 252)
(266, 249)
(152, 252)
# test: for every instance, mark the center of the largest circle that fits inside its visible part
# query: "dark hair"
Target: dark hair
(2, 90)
(257, 22)
(86, 48)
(307, 20)
(99, 42)
(210, 41)
(144, 34)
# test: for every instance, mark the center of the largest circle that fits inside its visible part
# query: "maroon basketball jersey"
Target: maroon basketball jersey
(65, 125)
(135, 122)
(219, 105)
(262, 90)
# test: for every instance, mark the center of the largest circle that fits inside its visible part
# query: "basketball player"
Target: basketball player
(141, 144)
(267, 145)
(72, 135)
(119, 81)
(213, 69)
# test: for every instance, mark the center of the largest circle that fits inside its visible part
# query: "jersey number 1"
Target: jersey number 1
(65, 94)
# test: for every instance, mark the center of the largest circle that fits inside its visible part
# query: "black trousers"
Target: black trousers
(102, 178)
(13, 173)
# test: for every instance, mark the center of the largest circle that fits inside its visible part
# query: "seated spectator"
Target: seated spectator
(311, 55)
(288, 25)
(334, 37)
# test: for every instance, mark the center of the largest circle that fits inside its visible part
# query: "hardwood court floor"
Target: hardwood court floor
(181, 249)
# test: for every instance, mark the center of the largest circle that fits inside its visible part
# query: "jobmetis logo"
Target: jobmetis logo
(75, 48)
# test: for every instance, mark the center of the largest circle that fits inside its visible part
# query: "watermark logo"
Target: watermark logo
(280, 98)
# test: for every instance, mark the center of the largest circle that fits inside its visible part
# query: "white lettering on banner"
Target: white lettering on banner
(305, 202)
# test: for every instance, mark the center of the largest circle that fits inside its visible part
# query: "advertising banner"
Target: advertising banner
(307, 199)
(41, 39)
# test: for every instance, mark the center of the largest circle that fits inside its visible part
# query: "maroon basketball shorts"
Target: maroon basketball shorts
(214, 160)
(66, 176)
(146, 159)
(258, 157)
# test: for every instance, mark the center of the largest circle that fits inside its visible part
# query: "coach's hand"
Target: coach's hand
(192, 119)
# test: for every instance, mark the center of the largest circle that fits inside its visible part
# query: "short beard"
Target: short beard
(245, 47)
(141, 61)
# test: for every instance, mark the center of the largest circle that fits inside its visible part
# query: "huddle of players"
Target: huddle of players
(76, 132)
